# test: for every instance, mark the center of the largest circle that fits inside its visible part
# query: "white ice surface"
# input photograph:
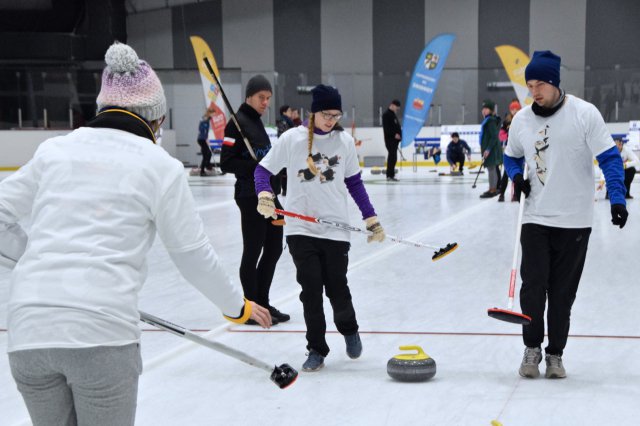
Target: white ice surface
(401, 298)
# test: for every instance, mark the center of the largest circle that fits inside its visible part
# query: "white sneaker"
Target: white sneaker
(555, 369)
(529, 366)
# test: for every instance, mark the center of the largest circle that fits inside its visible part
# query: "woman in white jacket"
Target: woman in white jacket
(96, 198)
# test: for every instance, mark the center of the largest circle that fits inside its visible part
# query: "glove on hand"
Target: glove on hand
(374, 226)
(266, 206)
(619, 215)
(521, 186)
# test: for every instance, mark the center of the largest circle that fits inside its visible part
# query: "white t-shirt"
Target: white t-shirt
(77, 283)
(559, 151)
(323, 196)
(629, 158)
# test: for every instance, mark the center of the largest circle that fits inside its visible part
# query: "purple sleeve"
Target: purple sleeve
(261, 176)
(359, 195)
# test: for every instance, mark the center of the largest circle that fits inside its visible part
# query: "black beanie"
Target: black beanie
(324, 98)
(256, 84)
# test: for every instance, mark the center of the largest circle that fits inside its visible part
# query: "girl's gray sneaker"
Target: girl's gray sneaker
(354, 345)
(314, 362)
(530, 361)
(555, 369)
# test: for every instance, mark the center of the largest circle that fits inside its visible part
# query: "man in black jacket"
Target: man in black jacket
(262, 238)
(392, 137)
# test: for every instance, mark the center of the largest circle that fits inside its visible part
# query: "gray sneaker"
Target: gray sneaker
(354, 345)
(530, 361)
(555, 369)
(314, 362)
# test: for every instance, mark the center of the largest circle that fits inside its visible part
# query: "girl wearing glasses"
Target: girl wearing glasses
(325, 159)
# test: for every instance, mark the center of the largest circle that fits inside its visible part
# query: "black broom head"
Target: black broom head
(444, 251)
(284, 376)
(509, 316)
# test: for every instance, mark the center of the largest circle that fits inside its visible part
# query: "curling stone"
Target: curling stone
(411, 367)
(376, 170)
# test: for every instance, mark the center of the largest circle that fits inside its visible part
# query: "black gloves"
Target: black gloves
(619, 215)
(521, 186)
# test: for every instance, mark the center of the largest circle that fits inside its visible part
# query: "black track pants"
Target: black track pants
(262, 247)
(629, 174)
(552, 263)
(206, 155)
(458, 158)
(504, 181)
(322, 263)
(392, 157)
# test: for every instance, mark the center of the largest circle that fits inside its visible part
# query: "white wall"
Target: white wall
(18, 146)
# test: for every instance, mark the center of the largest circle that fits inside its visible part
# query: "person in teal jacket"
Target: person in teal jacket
(490, 146)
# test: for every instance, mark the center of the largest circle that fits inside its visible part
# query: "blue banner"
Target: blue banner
(423, 84)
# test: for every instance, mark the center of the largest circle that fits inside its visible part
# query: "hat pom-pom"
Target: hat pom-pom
(121, 58)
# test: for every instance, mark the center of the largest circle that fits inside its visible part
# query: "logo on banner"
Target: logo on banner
(431, 60)
(418, 103)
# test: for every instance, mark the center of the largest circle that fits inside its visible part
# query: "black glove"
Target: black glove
(521, 186)
(619, 215)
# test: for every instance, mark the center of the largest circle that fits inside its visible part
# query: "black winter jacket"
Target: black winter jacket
(235, 158)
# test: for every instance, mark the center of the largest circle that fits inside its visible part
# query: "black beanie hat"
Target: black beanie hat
(256, 84)
(324, 98)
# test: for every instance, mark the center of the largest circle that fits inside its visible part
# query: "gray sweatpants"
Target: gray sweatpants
(493, 177)
(90, 386)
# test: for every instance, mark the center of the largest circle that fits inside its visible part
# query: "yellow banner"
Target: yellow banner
(515, 61)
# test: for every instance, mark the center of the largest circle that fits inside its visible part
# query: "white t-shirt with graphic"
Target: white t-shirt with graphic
(559, 151)
(325, 195)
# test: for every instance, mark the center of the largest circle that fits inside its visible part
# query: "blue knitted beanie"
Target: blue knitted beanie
(544, 66)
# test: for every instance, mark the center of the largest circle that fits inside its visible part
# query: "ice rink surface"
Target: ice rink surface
(401, 298)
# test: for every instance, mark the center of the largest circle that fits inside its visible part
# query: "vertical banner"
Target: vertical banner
(514, 62)
(212, 97)
(423, 84)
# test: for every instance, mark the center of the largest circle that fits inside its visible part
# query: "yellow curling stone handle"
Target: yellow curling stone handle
(419, 355)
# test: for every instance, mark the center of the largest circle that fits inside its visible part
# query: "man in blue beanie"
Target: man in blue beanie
(557, 137)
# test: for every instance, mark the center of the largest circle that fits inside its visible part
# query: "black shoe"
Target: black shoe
(488, 194)
(392, 179)
(628, 197)
(501, 198)
(277, 315)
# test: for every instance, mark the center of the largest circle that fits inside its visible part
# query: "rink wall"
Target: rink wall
(18, 146)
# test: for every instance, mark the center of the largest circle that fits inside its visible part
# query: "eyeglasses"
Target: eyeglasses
(328, 116)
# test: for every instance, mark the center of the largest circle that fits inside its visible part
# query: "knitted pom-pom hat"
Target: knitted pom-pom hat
(131, 84)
